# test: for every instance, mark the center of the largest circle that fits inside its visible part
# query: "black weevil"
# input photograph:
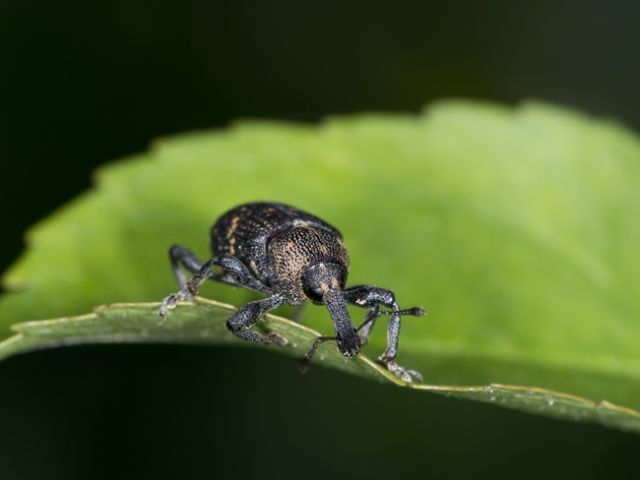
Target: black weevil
(291, 256)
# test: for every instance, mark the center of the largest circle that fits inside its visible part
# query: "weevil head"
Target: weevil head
(321, 277)
(324, 283)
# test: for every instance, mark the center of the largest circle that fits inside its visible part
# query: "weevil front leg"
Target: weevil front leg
(373, 297)
(240, 322)
(234, 272)
(182, 255)
(364, 329)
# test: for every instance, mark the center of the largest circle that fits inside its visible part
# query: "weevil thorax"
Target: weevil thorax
(304, 259)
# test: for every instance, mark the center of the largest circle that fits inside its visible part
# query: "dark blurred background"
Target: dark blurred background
(82, 83)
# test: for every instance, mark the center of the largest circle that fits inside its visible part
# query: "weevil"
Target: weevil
(292, 257)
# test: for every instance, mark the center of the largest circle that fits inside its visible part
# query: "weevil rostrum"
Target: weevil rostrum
(292, 257)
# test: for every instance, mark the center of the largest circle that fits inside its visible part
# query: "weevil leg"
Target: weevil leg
(366, 326)
(305, 361)
(240, 322)
(234, 272)
(372, 297)
(182, 255)
(189, 289)
(237, 273)
(364, 330)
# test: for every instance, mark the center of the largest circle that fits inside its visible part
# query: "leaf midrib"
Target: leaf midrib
(609, 366)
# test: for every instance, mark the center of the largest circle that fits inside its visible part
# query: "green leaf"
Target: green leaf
(517, 229)
(204, 323)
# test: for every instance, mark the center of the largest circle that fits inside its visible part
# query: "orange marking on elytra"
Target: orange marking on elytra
(233, 226)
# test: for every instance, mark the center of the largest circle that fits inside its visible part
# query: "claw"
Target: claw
(415, 376)
(405, 374)
(172, 300)
(303, 364)
(167, 304)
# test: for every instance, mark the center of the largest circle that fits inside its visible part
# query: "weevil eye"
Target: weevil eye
(313, 291)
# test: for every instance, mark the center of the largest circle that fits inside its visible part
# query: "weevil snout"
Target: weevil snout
(346, 336)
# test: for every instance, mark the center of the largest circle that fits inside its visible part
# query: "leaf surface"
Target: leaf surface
(204, 323)
(517, 230)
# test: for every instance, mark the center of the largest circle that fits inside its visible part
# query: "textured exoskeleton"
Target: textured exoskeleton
(292, 257)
